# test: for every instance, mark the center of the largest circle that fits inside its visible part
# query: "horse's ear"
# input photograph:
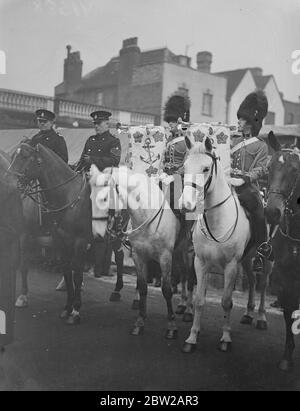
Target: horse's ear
(208, 145)
(274, 144)
(188, 142)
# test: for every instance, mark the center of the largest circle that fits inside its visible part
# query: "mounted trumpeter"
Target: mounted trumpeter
(249, 162)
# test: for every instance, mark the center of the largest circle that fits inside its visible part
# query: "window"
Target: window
(99, 101)
(290, 118)
(207, 103)
(270, 118)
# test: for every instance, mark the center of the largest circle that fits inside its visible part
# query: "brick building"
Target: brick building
(145, 81)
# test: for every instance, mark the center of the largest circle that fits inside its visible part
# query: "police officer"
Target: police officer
(103, 150)
(47, 136)
(249, 161)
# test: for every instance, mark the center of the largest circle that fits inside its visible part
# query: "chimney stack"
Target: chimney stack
(204, 60)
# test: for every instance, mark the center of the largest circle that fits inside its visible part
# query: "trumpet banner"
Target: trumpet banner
(220, 137)
(145, 149)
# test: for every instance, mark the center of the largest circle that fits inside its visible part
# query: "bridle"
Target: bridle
(28, 190)
(214, 172)
(121, 233)
(287, 197)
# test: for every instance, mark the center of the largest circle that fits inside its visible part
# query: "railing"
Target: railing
(15, 100)
(137, 119)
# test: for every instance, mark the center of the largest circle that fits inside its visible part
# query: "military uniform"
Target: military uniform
(104, 151)
(52, 140)
(249, 161)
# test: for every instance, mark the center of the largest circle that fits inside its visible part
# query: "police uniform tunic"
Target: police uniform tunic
(249, 161)
(52, 140)
(104, 150)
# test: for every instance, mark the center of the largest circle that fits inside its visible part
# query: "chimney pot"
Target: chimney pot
(204, 60)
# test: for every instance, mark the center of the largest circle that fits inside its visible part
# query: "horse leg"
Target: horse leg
(119, 258)
(290, 303)
(191, 281)
(230, 274)
(77, 265)
(22, 300)
(183, 279)
(248, 317)
(68, 277)
(142, 287)
(136, 301)
(262, 323)
(201, 272)
(166, 269)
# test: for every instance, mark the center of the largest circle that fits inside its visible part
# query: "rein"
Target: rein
(214, 170)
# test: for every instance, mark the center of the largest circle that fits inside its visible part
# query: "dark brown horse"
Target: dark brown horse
(11, 227)
(283, 212)
(68, 206)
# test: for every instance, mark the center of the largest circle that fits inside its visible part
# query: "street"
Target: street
(100, 354)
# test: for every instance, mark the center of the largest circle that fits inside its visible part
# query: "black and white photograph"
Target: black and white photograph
(149, 198)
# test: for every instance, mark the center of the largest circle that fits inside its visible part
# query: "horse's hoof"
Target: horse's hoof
(64, 315)
(73, 319)
(61, 286)
(22, 301)
(135, 304)
(188, 348)
(262, 325)
(180, 309)
(115, 296)
(187, 317)
(225, 346)
(137, 330)
(285, 365)
(246, 320)
(171, 334)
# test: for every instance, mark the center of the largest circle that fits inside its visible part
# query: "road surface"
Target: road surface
(100, 354)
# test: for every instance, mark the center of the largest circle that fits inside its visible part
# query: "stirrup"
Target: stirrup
(265, 250)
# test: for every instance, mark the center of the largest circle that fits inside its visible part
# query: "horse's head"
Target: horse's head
(199, 170)
(26, 162)
(283, 180)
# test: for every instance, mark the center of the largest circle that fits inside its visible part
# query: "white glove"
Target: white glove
(236, 182)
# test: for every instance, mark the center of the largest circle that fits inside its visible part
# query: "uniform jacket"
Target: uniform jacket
(52, 140)
(250, 161)
(174, 156)
(104, 150)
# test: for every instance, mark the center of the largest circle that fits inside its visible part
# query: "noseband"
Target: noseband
(213, 170)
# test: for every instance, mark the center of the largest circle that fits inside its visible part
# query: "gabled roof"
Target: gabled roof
(234, 77)
(261, 81)
(102, 76)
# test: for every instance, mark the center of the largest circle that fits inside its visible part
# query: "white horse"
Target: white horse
(221, 237)
(154, 229)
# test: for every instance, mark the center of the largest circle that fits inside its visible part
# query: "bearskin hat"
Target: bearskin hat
(254, 109)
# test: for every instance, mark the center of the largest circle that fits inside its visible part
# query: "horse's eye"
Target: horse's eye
(206, 170)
